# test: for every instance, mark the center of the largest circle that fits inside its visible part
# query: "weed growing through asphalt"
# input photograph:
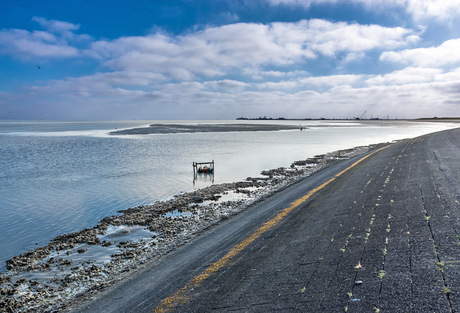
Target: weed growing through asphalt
(441, 266)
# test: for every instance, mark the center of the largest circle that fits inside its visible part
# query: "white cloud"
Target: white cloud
(353, 57)
(246, 47)
(56, 26)
(438, 9)
(304, 3)
(282, 74)
(409, 75)
(442, 10)
(330, 38)
(212, 52)
(331, 81)
(228, 17)
(312, 83)
(24, 44)
(282, 85)
(126, 78)
(226, 84)
(414, 76)
(451, 76)
(445, 54)
(98, 85)
(57, 41)
(109, 95)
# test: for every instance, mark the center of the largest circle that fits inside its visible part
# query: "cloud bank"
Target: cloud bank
(216, 51)
(305, 69)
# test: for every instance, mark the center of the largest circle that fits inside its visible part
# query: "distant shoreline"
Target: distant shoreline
(428, 119)
(439, 119)
(159, 128)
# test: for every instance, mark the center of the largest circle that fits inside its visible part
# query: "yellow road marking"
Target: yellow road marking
(180, 296)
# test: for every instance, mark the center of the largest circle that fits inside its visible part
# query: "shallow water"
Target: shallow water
(59, 177)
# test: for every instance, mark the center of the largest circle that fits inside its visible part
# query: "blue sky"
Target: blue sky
(222, 59)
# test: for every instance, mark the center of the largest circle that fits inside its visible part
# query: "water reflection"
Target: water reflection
(203, 177)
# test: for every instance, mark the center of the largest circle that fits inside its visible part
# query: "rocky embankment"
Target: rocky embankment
(77, 264)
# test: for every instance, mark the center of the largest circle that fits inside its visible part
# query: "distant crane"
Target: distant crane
(358, 118)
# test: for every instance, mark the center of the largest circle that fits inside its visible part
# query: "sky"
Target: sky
(223, 59)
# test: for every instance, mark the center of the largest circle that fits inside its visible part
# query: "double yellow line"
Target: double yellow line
(181, 296)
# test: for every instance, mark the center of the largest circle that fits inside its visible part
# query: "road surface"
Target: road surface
(373, 234)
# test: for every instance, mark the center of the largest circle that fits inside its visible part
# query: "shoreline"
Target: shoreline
(75, 265)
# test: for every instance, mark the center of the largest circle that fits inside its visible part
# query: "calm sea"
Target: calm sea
(60, 177)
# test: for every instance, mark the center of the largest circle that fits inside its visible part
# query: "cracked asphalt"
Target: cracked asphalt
(382, 237)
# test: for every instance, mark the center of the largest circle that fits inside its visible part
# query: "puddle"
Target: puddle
(123, 233)
(177, 213)
(88, 255)
(235, 196)
(245, 193)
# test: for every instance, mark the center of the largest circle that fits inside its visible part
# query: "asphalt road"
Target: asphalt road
(381, 236)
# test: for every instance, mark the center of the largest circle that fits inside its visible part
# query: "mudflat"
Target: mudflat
(202, 128)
